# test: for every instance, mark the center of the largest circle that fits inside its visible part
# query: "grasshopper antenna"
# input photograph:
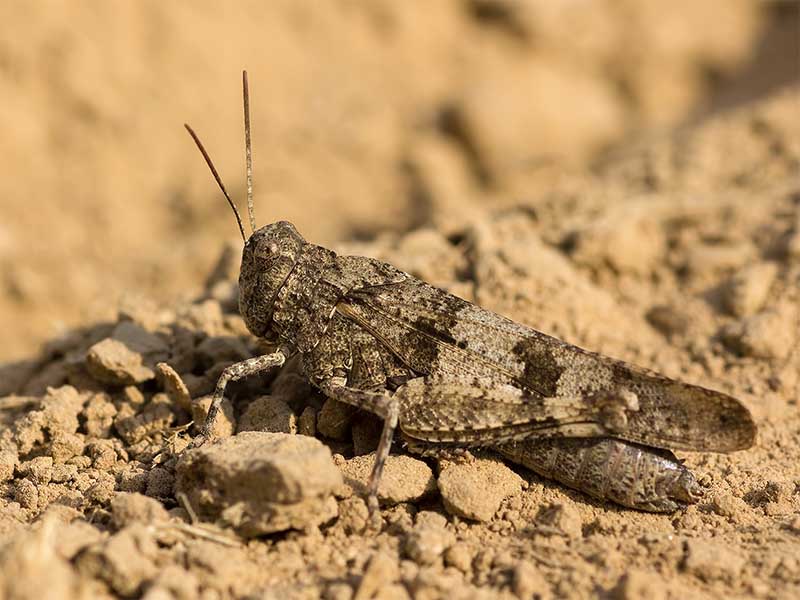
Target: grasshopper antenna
(216, 177)
(248, 151)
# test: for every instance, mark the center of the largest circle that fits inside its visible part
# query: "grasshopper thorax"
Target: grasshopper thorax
(268, 257)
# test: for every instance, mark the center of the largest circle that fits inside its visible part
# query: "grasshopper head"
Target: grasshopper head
(268, 257)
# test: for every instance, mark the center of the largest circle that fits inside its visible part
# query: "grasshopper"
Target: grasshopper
(452, 376)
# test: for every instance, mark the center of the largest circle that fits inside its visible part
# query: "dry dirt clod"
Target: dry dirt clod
(261, 482)
(64, 446)
(528, 582)
(708, 259)
(31, 568)
(307, 422)
(630, 241)
(746, 291)
(225, 424)
(353, 515)
(125, 561)
(160, 483)
(137, 339)
(728, 505)
(127, 509)
(460, 556)
(156, 417)
(99, 414)
(563, 519)
(27, 494)
(113, 363)
(173, 385)
(381, 571)
(763, 335)
(8, 462)
(39, 470)
(475, 490)
(428, 541)
(710, 560)
(404, 479)
(58, 412)
(268, 413)
(639, 585)
(335, 419)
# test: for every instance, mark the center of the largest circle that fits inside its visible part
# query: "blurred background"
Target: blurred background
(368, 116)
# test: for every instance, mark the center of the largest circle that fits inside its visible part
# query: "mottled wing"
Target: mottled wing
(476, 414)
(438, 334)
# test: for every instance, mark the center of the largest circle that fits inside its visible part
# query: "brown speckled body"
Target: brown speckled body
(607, 469)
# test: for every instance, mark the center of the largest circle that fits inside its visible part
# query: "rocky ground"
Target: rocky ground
(681, 255)
(566, 164)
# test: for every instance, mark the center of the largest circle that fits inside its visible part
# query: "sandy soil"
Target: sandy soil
(680, 253)
(357, 106)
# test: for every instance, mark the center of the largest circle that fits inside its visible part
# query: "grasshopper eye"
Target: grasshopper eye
(267, 250)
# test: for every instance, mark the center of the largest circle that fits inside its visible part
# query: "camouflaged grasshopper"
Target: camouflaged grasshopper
(452, 375)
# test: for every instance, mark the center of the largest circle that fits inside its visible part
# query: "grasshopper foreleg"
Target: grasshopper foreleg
(234, 372)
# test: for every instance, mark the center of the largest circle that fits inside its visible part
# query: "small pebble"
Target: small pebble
(136, 508)
(460, 556)
(475, 490)
(224, 424)
(260, 482)
(426, 543)
(640, 585)
(381, 571)
(766, 335)
(746, 291)
(404, 478)
(728, 505)
(113, 363)
(217, 349)
(528, 582)
(335, 419)
(366, 432)
(668, 320)
(710, 560)
(268, 413)
(562, 518)
(307, 422)
(173, 385)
